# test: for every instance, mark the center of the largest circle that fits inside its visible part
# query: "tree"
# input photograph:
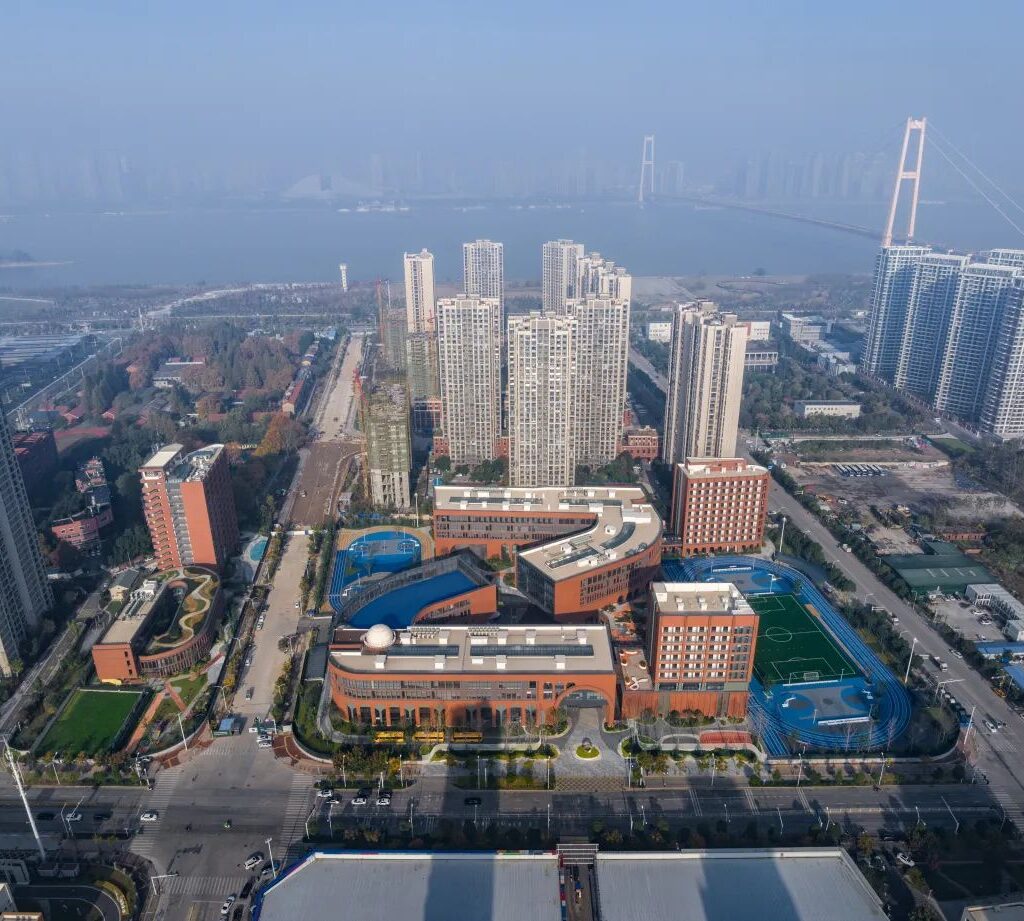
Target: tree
(443, 463)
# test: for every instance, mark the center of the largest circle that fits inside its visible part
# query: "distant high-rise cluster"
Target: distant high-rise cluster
(702, 407)
(565, 365)
(949, 329)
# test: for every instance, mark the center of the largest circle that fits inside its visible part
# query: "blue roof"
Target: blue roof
(995, 648)
(1016, 673)
(400, 607)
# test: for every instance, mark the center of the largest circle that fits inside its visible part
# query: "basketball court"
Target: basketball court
(794, 647)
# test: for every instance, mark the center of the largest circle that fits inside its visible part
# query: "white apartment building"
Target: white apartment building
(468, 347)
(600, 277)
(559, 258)
(541, 400)
(419, 292)
(702, 407)
(600, 363)
(483, 269)
(25, 594)
(659, 331)
(1002, 413)
(975, 321)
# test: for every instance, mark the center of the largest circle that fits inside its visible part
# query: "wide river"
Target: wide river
(307, 243)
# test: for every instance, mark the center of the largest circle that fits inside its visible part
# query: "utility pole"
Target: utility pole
(24, 799)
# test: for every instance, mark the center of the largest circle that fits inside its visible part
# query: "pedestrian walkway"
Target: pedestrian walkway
(218, 886)
(1011, 808)
(298, 807)
(143, 724)
(164, 791)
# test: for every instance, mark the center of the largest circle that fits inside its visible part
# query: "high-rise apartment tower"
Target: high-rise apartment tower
(25, 594)
(483, 269)
(468, 345)
(702, 407)
(189, 506)
(541, 400)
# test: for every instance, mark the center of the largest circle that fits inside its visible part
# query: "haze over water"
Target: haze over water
(306, 244)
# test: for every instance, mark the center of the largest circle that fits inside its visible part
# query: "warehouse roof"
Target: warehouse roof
(415, 887)
(741, 885)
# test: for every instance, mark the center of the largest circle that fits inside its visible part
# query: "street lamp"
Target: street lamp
(910, 659)
(273, 869)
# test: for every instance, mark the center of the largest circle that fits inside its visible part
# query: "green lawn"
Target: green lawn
(189, 687)
(90, 723)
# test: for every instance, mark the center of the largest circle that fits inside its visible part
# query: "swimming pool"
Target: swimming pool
(369, 554)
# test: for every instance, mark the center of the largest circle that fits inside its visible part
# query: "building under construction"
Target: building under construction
(384, 419)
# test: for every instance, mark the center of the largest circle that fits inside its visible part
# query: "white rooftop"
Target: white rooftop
(806, 884)
(625, 521)
(164, 456)
(416, 887)
(468, 649)
(699, 598)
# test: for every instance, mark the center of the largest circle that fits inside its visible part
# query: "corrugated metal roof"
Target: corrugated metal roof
(807, 884)
(416, 887)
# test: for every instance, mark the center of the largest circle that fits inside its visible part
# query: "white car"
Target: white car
(324, 794)
(73, 817)
(254, 860)
(226, 907)
(264, 743)
(905, 859)
(150, 816)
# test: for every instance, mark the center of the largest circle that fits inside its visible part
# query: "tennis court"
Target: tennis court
(793, 646)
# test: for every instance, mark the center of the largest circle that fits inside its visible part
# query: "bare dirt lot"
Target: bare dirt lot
(918, 488)
(323, 474)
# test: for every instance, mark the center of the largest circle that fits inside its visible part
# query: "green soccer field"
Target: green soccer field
(793, 647)
(90, 723)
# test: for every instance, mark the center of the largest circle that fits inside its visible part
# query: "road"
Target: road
(659, 379)
(997, 754)
(324, 466)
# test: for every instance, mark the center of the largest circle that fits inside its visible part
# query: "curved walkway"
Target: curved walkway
(894, 711)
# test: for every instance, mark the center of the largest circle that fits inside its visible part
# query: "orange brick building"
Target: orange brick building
(576, 549)
(480, 677)
(700, 652)
(189, 506)
(641, 443)
(163, 629)
(719, 505)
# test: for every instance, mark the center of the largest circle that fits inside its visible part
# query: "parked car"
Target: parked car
(253, 860)
(150, 816)
(361, 798)
(904, 858)
(249, 692)
(324, 794)
(473, 801)
(228, 902)
(247, 888)
(384, 798)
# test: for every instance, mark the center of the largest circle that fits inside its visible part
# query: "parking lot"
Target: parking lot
(961, 616)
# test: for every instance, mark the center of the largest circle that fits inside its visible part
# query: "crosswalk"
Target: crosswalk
(296, 809)
(212, 886)
(164, 789)
(1011, 808)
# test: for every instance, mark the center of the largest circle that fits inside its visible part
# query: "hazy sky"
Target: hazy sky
(310, 86)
